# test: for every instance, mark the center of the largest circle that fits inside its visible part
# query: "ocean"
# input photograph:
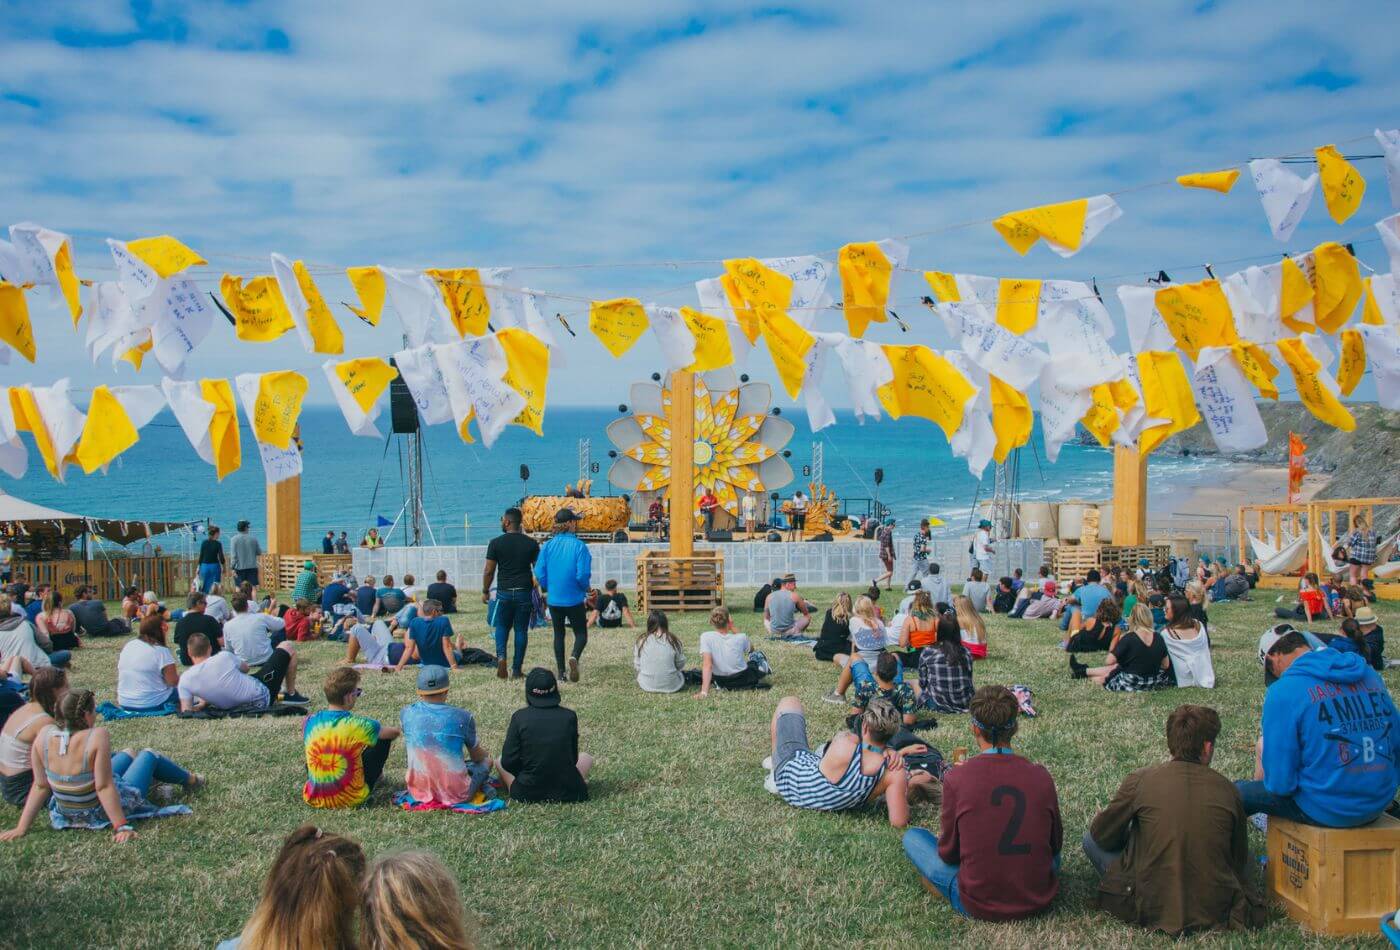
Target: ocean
(350, 481)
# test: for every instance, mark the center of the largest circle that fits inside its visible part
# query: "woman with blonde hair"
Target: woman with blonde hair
(974, 631)
(411, 901)
(867, 640)
(1138, 661)
(309, 898)
(835, 637)
(57, 622)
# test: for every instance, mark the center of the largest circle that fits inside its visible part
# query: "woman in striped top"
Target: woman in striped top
(854, 770)
(89, 786)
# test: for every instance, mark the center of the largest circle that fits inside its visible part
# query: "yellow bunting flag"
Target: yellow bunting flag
(712, 347)
(137, 354)
(618, 324)
(29, 419)
(1370, 310)
(1258, 368)
(1061, 224)
(1295, 293)
(365, 379)
(1353, 364)
(369, 285)
(1221, 181)
(1012, 418)
(164, 255)
(465, 298)
(1336, 286)
(1198, 315)
(865, 285)
(15, 329)
(67, 280)
(925, 385)
(527, 372)
(755, 291)
(1166, 394)
(223, 427)
(1342, 185)
(1102, 419)
(326, 335)
(107, 433)
(945, 286)
(1313, 390)
(788, 344)
(260, 315)
(1018, 304)
(278, 407)
(748, 319)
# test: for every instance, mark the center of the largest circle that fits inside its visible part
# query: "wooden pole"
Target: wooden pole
(1129, 496)
(284, 517)
(682, 491)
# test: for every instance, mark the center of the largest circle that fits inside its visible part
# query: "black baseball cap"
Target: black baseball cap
(541, 688)
(565, 515)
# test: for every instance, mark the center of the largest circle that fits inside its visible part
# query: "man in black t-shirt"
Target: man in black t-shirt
(510, 560)
(611, 608)
(444, 593)
(196, 620)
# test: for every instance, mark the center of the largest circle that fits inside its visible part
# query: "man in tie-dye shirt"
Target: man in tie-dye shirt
(441, 738)
(345, 753)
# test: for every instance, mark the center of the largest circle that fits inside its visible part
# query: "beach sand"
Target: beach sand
(1239, 483)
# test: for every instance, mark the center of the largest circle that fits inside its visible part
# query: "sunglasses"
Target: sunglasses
(357, 692)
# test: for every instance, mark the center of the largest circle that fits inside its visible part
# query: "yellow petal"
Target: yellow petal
(1221, 181)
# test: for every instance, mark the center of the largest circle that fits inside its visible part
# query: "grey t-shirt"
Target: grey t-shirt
(245, 551)
(976, 591)
(781, 609)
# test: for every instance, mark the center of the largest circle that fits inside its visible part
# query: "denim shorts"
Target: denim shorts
(791, 739)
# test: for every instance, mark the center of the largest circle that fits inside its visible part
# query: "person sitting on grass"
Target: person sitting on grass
(411, 900)
(727, 658)
(196, 619)
(997, 854)
(977, 590)
(345, 753)
(1004, 597)
(974, 631)
(1374, 635)
(882, 683)
(146, 674)
(19, 639)
(1327, 755)
(1196, 600)
(785, 612)
(388, 599)
(57, 622)
(310, 895)
(1172, 849)
(868, 639)
(835, 637)
(307, 586)
(1042, 604)
(611, 608)
(1188, 645)
(856, 769)
(1137, 662)
(429, 639)
(540, 761)
(92, 616)
(1097, 633)
(256, 638)
(1158, 604)
(90, 787)
(298, 619)
(658, 657)
(446, 764)
(221, 681)
(945, 670)
(919, 630)
(24, 725)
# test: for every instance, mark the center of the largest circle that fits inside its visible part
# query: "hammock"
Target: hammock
(1287, 560)
(1263, 550)
(1333, 567)
(1387, 569)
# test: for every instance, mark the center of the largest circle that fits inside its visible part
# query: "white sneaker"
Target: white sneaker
(1261, 822)
(768, 764)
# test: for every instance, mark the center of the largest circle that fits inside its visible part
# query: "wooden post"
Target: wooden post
(1129, 496)
(284, 517)
(682, 491)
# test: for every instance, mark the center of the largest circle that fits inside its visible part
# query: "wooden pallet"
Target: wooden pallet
(1069, 561)
(1128, 556)
(279, 571)
(680, 584)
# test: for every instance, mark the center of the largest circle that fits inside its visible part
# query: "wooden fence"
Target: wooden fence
(167, 575)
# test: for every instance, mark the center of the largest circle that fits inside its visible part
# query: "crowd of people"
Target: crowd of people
(1170, 847)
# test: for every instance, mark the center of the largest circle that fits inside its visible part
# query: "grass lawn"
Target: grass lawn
(680, 845)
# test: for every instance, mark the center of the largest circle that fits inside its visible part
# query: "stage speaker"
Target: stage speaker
(718, 535)
(774, 536)
(824, 536)
(403, 411)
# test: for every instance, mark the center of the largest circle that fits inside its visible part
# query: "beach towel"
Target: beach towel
(479, 805)
(276, 709)
(113, 711)
(794, 638)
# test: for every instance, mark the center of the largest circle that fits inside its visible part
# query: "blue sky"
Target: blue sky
(612, 133)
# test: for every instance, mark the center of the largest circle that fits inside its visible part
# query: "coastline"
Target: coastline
(1241, 483)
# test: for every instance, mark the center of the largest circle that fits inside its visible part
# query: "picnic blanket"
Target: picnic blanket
(110, 710)
(798, 639)
(479, 805)
(276, 709)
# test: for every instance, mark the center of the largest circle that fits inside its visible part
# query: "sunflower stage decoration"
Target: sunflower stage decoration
(738, 443)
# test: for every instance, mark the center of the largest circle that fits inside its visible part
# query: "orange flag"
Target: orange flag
(1297, 466)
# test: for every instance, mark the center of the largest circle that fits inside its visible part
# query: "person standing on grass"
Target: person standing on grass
(728, 659)
(921, 544)
(884, 537)
(785, 612)
(997, 856)
(245, 551)
(211, 560)
(345, 753)
(855, 770)
(510, 564)
(540, 761)
(446, 764)
(565, 570)
(1172, 849)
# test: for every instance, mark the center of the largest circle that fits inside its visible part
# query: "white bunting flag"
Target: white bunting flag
(359, 386)
(1072, 329)
(975, 442)
(1225, 399)
(14, 457)
(111, 318)
(420, 307)
(997, 350)
(1063, 402)
(1390, 145)
(1389, 229)
(867, 369)
(819, 414)
(1383, 360)
(193, 412)
(182, 319)
(1146, 328)
(1284, 195)
(672, 335)
(61, 421)
(421, 373)
(473, 371)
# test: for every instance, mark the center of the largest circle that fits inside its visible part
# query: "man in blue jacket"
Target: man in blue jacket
(1330, 731)
(564, 571)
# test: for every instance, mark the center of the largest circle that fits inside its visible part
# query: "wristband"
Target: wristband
(126, 828)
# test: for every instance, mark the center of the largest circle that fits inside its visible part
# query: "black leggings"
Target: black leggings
(373, 760)
(577, 616)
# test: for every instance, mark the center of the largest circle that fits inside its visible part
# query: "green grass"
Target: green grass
(680, 844)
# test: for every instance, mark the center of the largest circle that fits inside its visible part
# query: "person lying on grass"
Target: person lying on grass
(727, 658)
(882, 683)
(221, 681)
(89, 786)
(856, 769)
(997, 856)
(1137, 662)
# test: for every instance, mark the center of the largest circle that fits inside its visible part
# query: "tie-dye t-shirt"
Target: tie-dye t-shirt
(335, 770)
(436, 735)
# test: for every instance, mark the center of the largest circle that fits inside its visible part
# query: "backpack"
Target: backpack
(612, 611)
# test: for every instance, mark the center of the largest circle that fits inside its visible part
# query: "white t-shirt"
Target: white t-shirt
(218, 608)
(219, 682)
(413, 592)
(249, 636)
(374, 642)
(729, 652)
(799, 503)
(139, 680)
(750, 507)
(982, 545)
(7, 555)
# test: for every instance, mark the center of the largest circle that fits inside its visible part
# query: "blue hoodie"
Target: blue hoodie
(1330, 736)
(564, 568)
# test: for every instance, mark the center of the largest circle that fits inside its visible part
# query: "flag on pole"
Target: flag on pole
(1297, 464)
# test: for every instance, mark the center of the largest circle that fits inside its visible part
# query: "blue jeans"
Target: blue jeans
(209, 575)
(171, 698)
(1258, 800)
(146, 767)
(60, 657)
(513, 608)
(921, 845)
(860, 672)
